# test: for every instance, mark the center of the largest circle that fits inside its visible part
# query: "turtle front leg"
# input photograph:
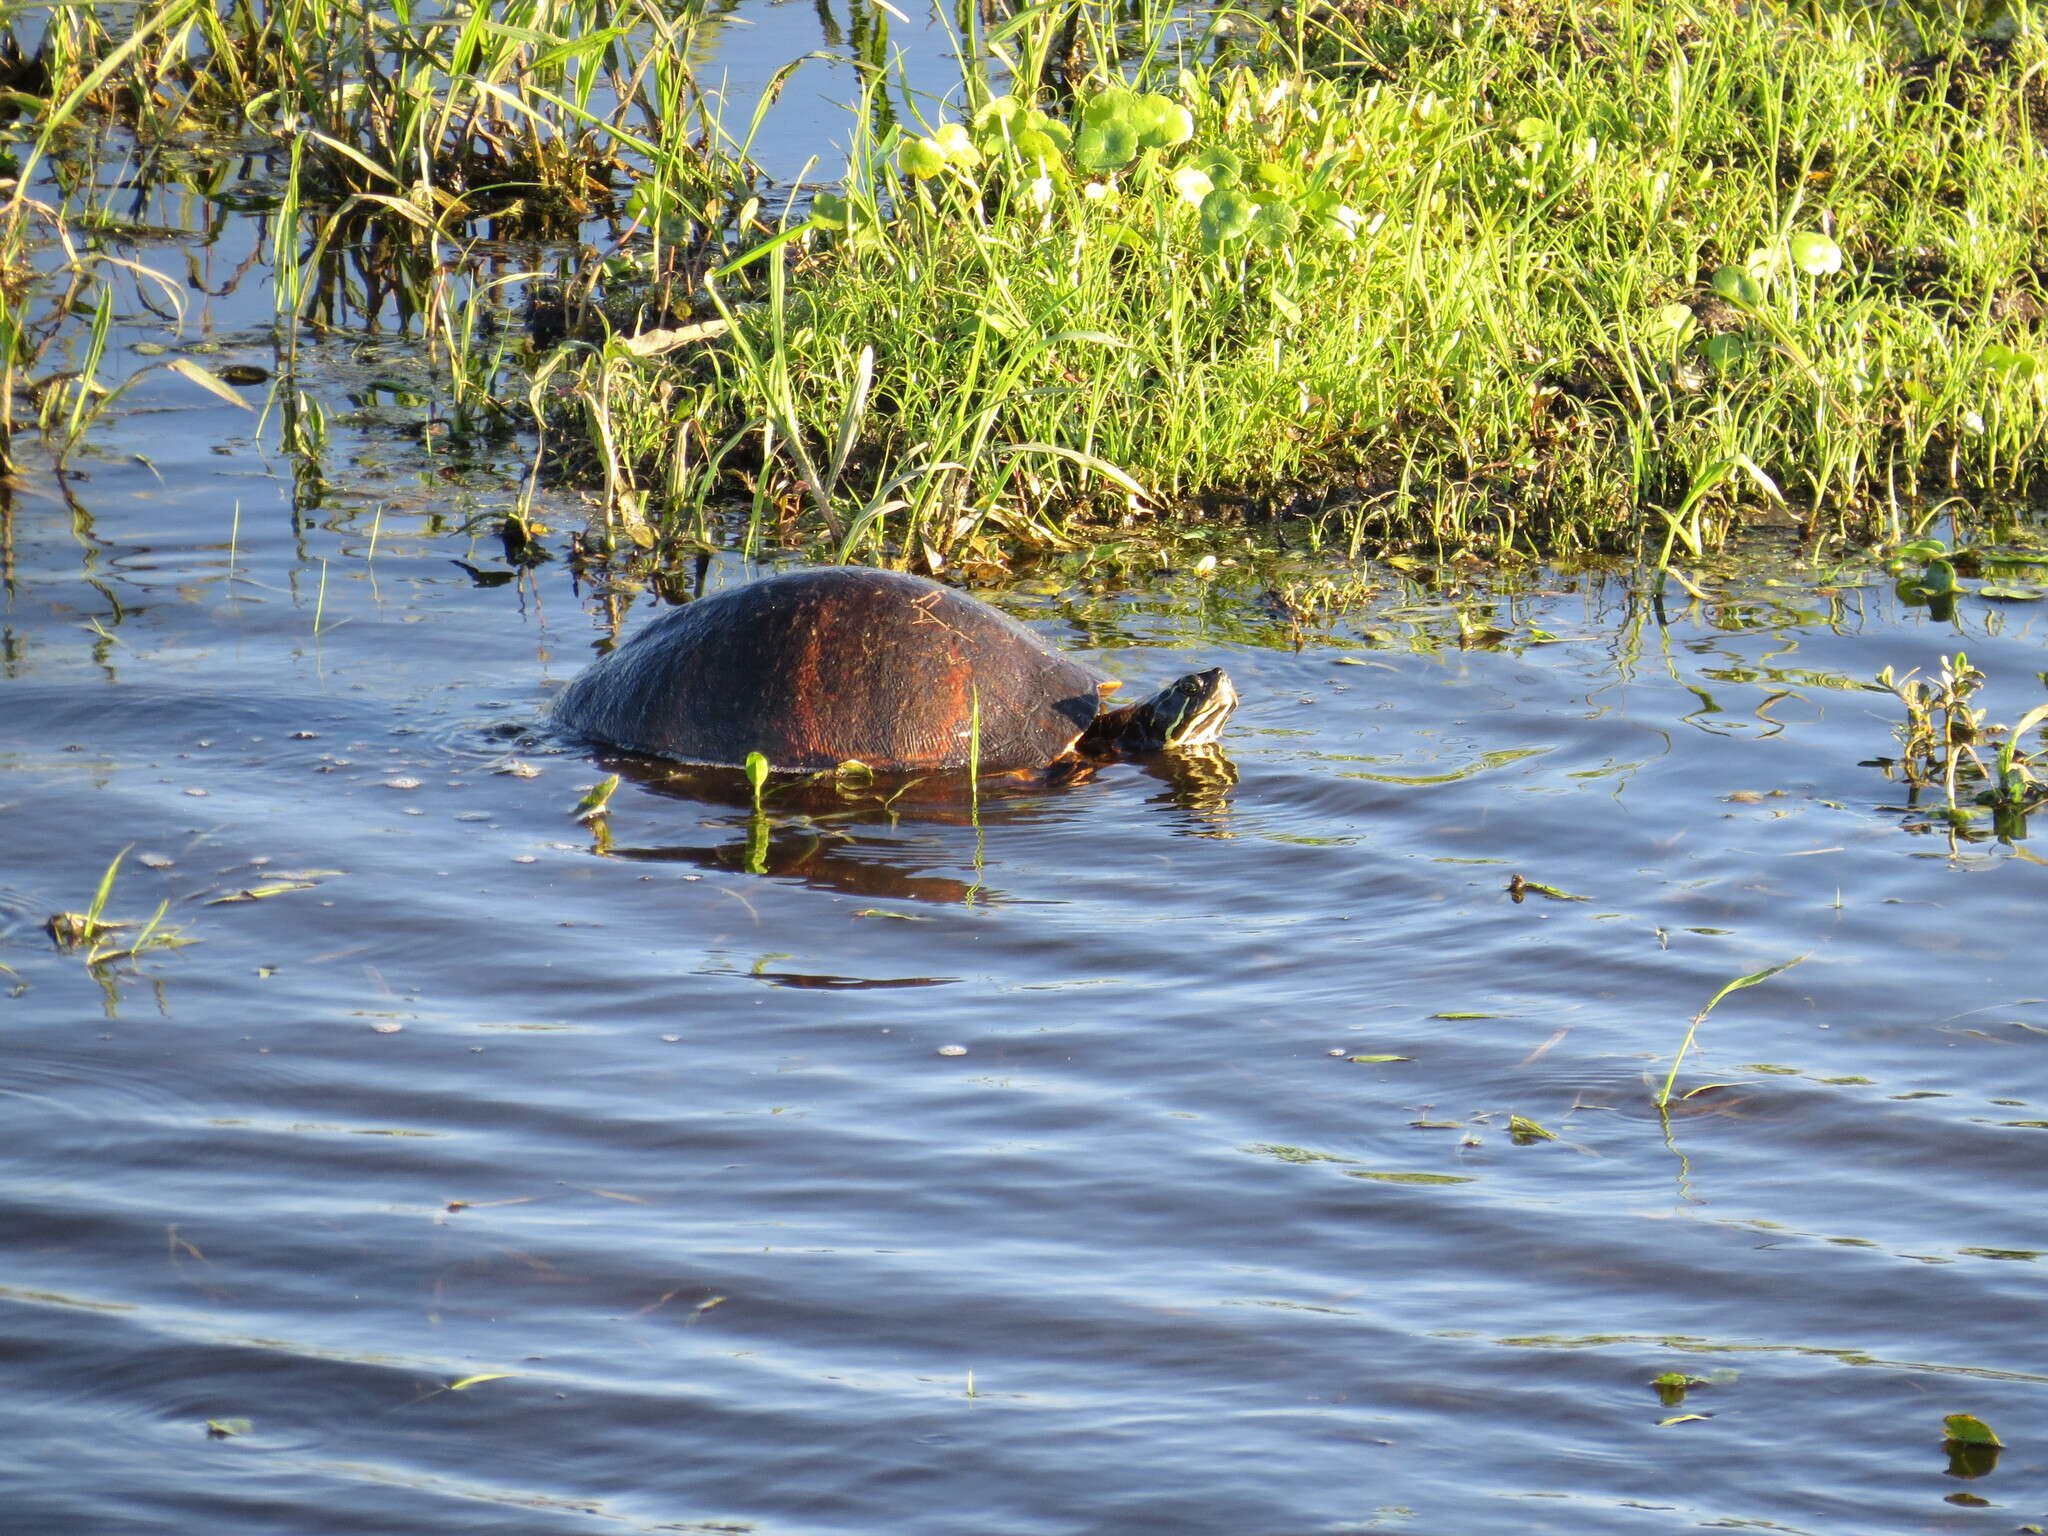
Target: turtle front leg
(1070, 768)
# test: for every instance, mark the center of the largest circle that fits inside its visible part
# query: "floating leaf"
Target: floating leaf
(1672, 1386)
(1296, 1154)
(222, 1429)
(1518, 887)
(470, 1381)
(595, 802)
(1410, 1178)
(1524, 1130)
(185, 368)
(2011, 593)
(1968, 1429)
(260, 892)
(1685, 1418)
(1368, 1060)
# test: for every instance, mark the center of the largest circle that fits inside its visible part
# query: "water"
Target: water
(679, 1156)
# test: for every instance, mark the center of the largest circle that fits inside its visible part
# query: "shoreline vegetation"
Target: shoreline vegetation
(1526, 280)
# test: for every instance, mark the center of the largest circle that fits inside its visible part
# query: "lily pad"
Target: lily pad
(1968, 1429)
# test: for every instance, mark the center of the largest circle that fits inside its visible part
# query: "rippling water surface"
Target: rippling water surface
(510, 1174)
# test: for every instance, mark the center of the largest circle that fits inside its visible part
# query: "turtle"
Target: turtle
(815, 667)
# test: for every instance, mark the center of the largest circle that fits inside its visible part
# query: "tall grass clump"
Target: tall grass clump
(1543, 274)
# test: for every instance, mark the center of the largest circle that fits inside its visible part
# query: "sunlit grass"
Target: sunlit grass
(1544, 277)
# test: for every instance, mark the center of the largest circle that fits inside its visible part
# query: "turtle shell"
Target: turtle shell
(813, 667)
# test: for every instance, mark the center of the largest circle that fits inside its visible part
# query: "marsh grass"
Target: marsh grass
(1550, 277)
(1939, 738)
(1754, 978)
(98, 937)
(1542, 277)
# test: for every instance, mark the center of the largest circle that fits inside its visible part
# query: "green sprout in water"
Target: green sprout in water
(1754, 978)
(1939, 738)
(95, 933)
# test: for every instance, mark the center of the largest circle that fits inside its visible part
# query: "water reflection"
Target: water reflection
(883, 836)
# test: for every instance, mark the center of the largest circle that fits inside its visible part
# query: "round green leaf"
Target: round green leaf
(1192, 185)
(921, 158)
(1109, 108)
(1815, 255)
(954, 143)
(1105, 146)
(1038, 146)
(830, 211)
(1000, 112)
(1332, 215)
(1161, 122)
(1052, 128)
(1274, 224)
(1277, 178)
(2007, 360)
(1226, 215)
(1671, 322)
(1738, 287)
(1221, 166)
(1725, 350)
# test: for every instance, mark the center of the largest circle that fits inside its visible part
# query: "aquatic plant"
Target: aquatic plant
(1939, 737)
(1754, 978)
(98, 937)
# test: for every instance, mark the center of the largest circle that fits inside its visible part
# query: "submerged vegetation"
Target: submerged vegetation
(1533, 277)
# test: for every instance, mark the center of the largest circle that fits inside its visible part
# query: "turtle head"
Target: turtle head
(1187, 713)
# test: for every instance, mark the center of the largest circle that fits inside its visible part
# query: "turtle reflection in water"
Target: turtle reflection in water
(814, 668)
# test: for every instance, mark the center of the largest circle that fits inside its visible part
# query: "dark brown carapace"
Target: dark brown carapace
(814, 667)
